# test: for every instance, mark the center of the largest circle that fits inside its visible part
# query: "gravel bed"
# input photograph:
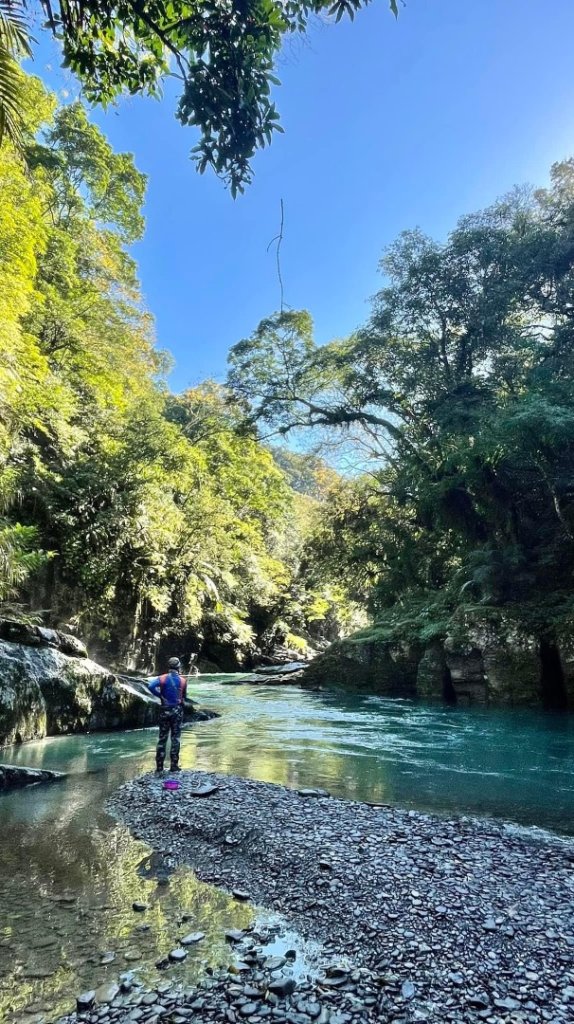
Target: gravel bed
(419, 918)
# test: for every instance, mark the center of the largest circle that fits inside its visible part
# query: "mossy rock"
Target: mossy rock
(493, 644)
(361, 663)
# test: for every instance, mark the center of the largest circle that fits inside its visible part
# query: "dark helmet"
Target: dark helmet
(174, 663)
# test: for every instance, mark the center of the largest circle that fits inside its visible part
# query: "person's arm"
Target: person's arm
(154, 687)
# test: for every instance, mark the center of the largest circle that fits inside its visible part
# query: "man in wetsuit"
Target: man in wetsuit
(171, 689)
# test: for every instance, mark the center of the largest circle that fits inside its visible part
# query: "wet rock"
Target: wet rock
(85, 1001)
(288, 668)
(178, 955)
(282, 987)
(107, 958)
(312, 792)
(507, 1004)
(241, 895)
(107, 993)
(479, 1000)
(49, 637)
(139, 907)
(192, 938)
(71, 645)
(273, 963)
(336, 971)
(15, 776)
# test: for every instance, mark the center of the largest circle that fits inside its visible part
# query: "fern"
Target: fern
(14, 44)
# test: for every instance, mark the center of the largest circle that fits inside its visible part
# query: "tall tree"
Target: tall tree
(463, 382)
(133, 513)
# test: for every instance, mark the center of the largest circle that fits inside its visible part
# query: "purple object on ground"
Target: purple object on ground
(171, 784)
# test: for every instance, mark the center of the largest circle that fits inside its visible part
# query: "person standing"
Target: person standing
(171, 689)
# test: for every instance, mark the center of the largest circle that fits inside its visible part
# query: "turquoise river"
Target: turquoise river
(69, 874)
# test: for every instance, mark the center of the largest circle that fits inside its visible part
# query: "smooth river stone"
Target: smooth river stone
(192, 937)
(85, 1000)
(205, 790)
(106, 993)
(177, 955)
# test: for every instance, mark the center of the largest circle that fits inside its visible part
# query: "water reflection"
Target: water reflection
(69, 876)
(67, 888)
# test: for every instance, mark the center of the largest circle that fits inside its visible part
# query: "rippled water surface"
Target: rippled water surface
(68, 875)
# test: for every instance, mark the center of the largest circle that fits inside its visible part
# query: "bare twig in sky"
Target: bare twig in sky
(279, 238)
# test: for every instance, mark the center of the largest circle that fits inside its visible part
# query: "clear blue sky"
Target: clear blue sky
(388, 125)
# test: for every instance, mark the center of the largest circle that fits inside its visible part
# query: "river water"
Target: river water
(69, 874)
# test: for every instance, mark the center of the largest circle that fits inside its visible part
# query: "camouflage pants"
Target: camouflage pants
(170, 721)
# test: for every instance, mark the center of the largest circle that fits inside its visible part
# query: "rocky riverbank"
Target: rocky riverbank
(419, 918)
(257, 987)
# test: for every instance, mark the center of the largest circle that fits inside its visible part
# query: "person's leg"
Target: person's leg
(162, 740)
(177, 720)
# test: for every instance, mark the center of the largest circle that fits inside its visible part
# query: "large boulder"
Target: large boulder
(14, 776)
(434, 681)
(40, 636)
(22, 705)
(44, 692)
(366, 661)
(282, 669)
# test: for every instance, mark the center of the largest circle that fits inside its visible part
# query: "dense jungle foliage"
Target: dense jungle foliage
(459, 394)
(145, 519)
(132, 514)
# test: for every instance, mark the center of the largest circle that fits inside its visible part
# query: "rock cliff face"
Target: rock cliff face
(486, 658)
(366, 664)
(46, 692)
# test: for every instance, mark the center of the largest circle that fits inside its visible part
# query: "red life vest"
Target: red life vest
(182, 684)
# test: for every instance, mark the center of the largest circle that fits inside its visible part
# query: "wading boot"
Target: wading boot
(175, 768)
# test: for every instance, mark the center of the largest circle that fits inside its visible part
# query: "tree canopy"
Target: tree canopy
(125, 511)
(461, 387)
(223, 55)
